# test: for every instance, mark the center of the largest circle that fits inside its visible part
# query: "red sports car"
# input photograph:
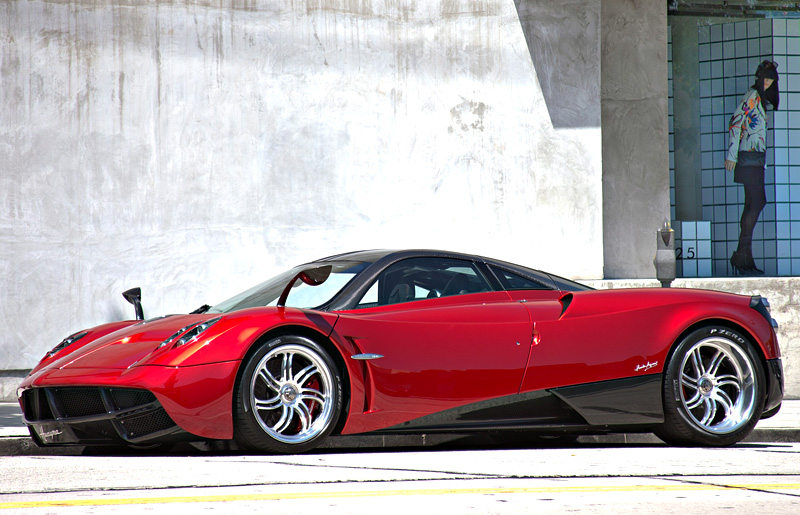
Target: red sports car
(415, 342)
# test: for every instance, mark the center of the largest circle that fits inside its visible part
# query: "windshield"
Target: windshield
(301, 295)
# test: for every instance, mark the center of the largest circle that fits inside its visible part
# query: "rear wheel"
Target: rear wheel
(714, 389)
(288, 397)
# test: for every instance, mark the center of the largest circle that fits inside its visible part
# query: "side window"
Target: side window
(423, 278)
(512, 281)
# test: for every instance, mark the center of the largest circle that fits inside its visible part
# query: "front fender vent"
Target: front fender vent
(565, 301)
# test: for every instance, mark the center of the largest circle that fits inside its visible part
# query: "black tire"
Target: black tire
(714, 389)
(288, 397)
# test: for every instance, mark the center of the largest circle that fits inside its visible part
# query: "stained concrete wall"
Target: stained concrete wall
(194, 148)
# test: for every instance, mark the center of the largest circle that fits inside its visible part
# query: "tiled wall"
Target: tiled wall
(729, 54)
(786, 144)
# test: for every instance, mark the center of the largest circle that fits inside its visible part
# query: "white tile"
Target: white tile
(733, 213)
(779, 46)
(782, 212)
(793, 27)
(792, 47)
(790, 82)
(706, 158)
(729, 49)
(780, 119)
(753, 29)
(766, 46)
(729, 68)
(707, 196)
(781, 174)
(704, 268)
(778, 27)
(705, 88)
(742, 85)
(704, 230)
(717, 87)
(717, 69)
(704, 52)
(728, 32)
(791, 65)
(794, 174)
(720, 141)
(794, 214)
(781, 156)
(716, 33)
(689, 230)
(733, 231)
(740, 30)
(716, 50)
(704, 249)
(753, 48)
(780, 138)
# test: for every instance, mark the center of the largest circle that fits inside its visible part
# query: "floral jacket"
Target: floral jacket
(748, 127)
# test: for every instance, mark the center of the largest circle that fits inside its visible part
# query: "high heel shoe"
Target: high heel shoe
(740, 264)
(751, 264)
(744, 264)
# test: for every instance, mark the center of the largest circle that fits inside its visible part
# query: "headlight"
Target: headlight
(66, 342)
(189, 333)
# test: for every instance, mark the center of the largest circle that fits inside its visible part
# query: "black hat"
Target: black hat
(767, 70)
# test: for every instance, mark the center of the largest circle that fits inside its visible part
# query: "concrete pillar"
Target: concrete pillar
(635, 134)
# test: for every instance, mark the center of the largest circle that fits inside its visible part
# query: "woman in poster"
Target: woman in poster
(746, 157)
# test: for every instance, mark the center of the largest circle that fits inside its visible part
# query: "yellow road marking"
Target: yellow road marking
(678, 487)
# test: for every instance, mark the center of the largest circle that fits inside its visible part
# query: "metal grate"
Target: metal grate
(79, 402)
(148, 423)
(124, 399)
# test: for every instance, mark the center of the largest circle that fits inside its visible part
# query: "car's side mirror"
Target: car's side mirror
(134, 296)
(310, 276)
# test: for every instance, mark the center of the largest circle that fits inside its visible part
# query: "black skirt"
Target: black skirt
(750, 168)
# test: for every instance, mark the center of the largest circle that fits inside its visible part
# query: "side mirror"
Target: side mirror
(316, 276)
(310, 276)
(134, 296)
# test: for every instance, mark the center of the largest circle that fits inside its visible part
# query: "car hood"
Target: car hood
(121, 348)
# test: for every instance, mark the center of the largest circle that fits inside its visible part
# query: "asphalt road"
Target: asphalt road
(622, 479)
(10, 414)
(627, 476)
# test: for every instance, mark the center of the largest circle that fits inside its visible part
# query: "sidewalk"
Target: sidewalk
(783, 427)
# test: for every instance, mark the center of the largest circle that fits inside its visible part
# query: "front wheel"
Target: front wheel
(714, 389)
(288, 397)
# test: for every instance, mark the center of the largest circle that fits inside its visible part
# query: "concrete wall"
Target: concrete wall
(635, 134)
(194, 148)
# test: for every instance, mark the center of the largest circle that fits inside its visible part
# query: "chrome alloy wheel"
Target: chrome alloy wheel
(718, 385)
(291, 392)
